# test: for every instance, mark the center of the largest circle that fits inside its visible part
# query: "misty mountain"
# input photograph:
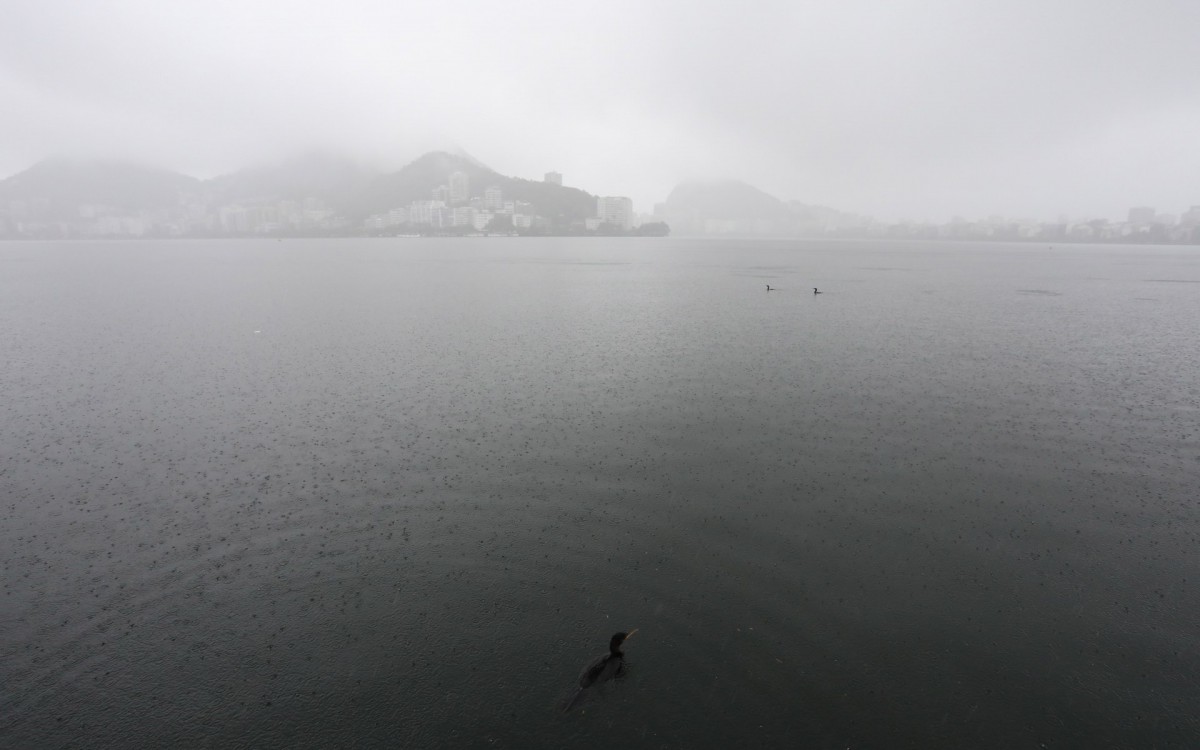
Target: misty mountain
(330, 178)
(734, 207)
(77, 192)
(725, 199)
(58, 189)
(325, 192)
(417, 180)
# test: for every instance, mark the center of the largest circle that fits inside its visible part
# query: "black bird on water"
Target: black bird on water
(601, 669)
(769, 287)
(816, 291)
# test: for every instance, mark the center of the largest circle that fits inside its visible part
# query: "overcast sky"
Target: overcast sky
(891, 108)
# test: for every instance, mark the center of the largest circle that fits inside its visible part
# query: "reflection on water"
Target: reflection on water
(395, 493)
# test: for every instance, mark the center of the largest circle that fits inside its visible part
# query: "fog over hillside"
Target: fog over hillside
(908, 110)
(315, 194)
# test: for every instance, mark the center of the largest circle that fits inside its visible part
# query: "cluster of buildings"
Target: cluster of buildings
(194, 215)
(274, 217)
(1145, 216)
(1143, 224)
(453, 207)
(614, 211)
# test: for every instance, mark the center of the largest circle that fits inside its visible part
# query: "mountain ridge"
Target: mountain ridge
(58, 190)
(319, 174)
(327, 191)
(730, 206)
(59, 186)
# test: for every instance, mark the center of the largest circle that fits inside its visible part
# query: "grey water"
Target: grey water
(396, 493)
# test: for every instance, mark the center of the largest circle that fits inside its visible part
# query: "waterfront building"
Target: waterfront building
(615, 210)
(443, 217)
(422, 212)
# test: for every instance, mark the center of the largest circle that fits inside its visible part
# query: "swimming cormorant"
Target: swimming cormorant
(601, 669)
(768, 287)
(816, 291)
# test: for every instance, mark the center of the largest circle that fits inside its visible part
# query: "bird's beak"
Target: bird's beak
(630, 634)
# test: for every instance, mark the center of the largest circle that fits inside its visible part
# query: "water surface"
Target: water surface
(397, 492)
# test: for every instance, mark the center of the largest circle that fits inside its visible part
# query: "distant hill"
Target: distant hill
(724, 207)
(56, 189)
(65, 198)
(725, 199)
(561, 205)
(734, 207)
(332, 179)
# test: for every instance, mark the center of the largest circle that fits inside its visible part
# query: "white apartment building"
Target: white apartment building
(421, 212)
(481, 220)
(615, 210)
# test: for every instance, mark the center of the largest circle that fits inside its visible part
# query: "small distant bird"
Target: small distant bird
(816, 291)
(768, 287)
(601, 669)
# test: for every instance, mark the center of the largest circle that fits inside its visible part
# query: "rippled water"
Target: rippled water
(397, 493)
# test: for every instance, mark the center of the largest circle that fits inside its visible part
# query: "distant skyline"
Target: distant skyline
(899, 110)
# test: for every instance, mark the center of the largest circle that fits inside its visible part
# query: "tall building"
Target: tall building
(554, 178)
(460, 187)
(422, 212)
(493, 198)
(443, 217)
(1141, 215)
(615, 210)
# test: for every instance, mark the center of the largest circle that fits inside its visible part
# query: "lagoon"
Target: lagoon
(397, 493)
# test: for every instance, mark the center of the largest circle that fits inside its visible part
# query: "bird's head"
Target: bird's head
(614, 645)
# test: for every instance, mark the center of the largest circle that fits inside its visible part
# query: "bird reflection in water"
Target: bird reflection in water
(602, 669)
